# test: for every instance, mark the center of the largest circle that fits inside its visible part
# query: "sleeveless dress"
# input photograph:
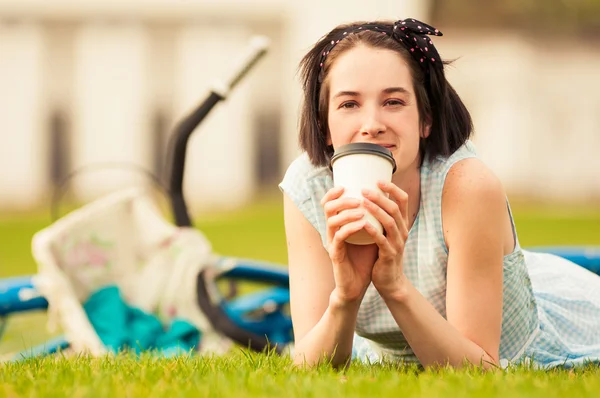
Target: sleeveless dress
(551, 307)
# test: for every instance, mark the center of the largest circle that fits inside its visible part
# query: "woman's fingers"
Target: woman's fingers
(333, 193)
(387, 220)
(386, 248)
(335, 206)
(378, 237)
(391, 212)
(396, 196)
(339, 210)
(337, 246)
(342, 218)
(392, 220)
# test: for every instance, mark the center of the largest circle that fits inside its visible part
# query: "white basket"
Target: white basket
(123, 240)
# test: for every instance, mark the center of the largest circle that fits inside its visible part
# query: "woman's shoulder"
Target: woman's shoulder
(442, 164)
(302, 166)
(306, 184)
(300, 176)
(473, 177)
(462, 179)
(464, 171)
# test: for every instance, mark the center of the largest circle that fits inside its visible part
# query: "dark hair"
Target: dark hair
(438, 103)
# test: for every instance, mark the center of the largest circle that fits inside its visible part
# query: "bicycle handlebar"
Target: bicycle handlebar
(256, 49)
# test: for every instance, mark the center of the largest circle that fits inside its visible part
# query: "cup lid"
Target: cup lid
(363, 147)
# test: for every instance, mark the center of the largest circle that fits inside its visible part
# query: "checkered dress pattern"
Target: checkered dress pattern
(551, 308)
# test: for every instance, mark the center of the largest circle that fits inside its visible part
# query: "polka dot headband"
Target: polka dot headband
(411, 33)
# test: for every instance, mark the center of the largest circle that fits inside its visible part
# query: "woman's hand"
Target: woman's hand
(352, 264)
(387, 275)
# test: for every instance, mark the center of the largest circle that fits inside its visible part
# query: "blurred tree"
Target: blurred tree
(559, 17)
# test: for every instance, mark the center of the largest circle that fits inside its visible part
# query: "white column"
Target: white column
(496, 87)
(534, 128)
(23, 148)
(567, 135)
(111, 119)
(309, 20)
(220, 159)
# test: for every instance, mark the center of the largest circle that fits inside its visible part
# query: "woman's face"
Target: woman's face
(371, 99)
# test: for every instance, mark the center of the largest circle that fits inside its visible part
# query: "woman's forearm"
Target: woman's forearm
(432, 338)
(331, 338)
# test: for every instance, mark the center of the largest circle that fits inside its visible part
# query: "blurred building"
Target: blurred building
(101, 84)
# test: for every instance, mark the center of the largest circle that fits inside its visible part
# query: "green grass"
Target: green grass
(244, 374)
(257, 232)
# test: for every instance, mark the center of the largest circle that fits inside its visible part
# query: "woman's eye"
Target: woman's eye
(394, 102)
(348, 105)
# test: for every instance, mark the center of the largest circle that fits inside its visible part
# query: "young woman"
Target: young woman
(447, 283)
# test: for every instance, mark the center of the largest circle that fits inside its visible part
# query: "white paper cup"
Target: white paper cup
(359, 166)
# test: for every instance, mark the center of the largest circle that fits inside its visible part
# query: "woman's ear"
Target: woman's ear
(426, 131)
(426, 128)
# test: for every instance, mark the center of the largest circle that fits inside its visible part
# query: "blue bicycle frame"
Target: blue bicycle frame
(19, 295)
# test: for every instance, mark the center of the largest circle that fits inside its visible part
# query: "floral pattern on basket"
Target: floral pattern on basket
(87, 260)
(92, 251)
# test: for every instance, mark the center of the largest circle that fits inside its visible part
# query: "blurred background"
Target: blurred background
(96, 82)
(102, 83)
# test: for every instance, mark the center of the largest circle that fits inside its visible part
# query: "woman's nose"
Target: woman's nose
(372, 126)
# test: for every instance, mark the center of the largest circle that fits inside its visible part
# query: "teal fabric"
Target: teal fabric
(122, 327)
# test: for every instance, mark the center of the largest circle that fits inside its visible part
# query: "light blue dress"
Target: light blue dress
(551, 307)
